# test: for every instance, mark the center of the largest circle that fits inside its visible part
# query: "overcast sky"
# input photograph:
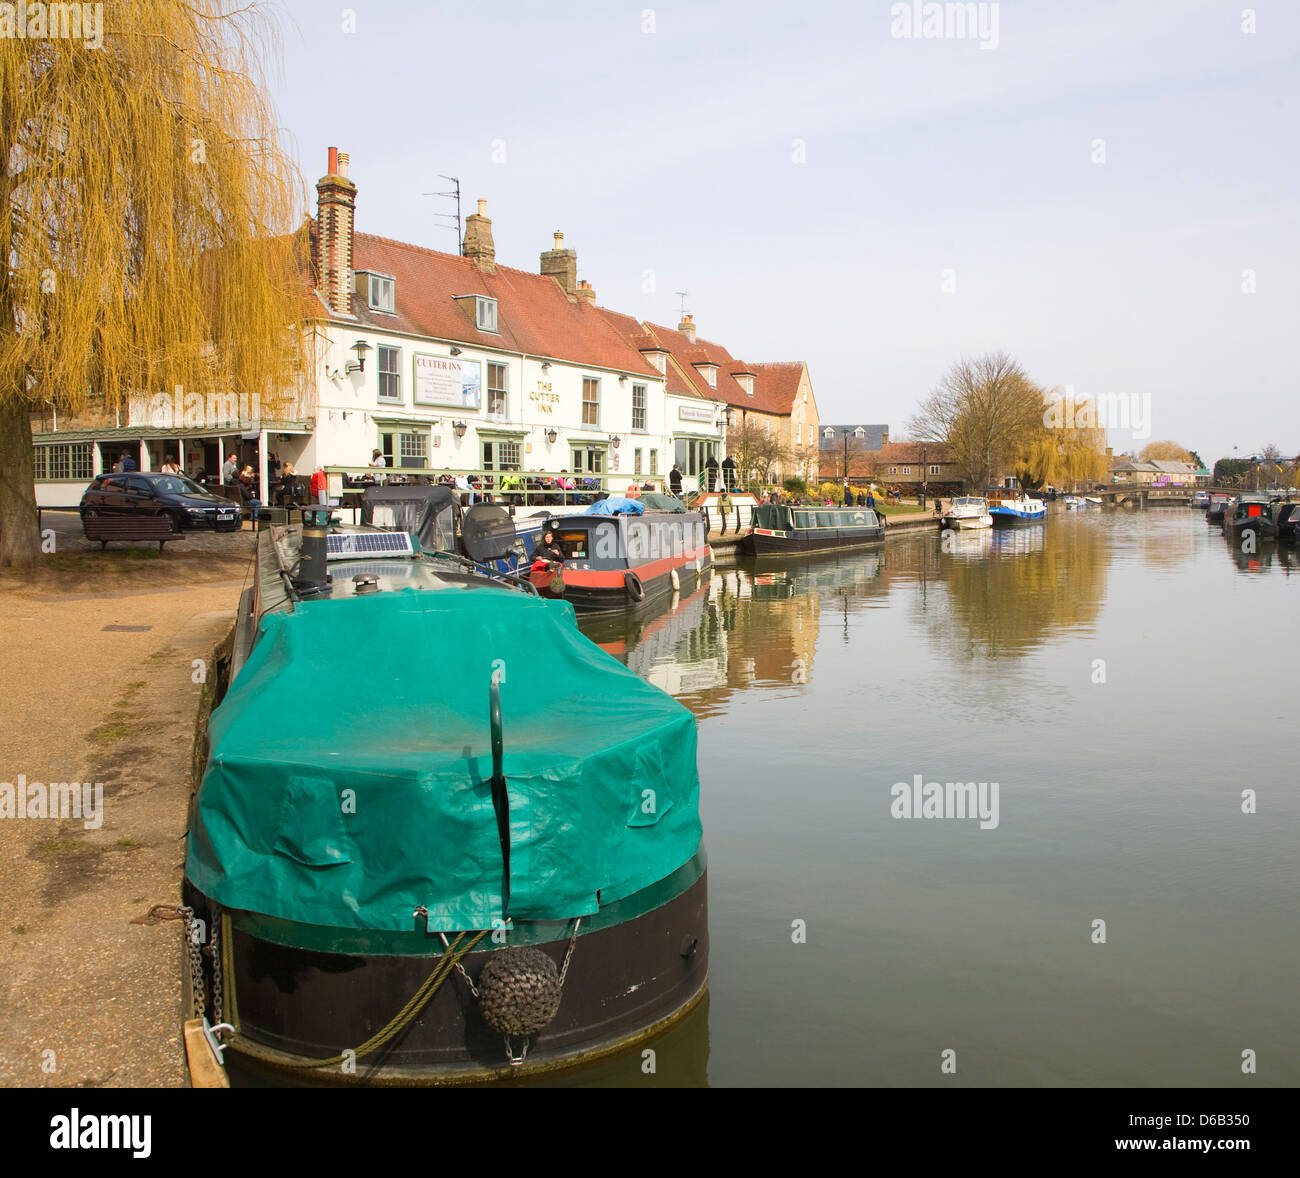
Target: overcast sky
(815, 182)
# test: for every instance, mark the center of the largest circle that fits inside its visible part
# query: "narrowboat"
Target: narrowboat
(1250, 521)
(1012, 508)
(1288, 522)
(787, 530)
(625, 561)
(1218, 507)
(968, 511)
(440, 837)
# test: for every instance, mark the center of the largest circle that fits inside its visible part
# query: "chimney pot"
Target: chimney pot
(335, 213)
(562, 265)
(478, 245)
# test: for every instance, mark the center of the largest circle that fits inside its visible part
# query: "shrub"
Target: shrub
(796, 486)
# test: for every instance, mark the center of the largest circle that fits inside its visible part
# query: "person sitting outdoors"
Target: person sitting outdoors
(247, 485)
(171, 466)
(547, 549)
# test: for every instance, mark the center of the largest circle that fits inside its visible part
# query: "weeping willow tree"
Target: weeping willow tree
(147, 211)
(1066, 448)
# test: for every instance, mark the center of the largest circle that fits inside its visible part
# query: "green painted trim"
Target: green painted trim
(418, 943)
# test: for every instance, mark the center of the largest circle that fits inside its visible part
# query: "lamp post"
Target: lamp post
(925, 476)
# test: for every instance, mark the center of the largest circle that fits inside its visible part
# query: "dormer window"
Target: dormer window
(381, 294)
(710, 372)
(859, 432)
(828, 432)
(658, 360)
(486, 314)
(746, 382)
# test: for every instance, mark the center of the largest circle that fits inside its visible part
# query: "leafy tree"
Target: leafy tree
(146, 215)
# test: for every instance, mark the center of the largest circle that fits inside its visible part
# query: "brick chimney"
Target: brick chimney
(336, 208)
(478, 245)
(587, 291)
(687, 327)
(562, 265)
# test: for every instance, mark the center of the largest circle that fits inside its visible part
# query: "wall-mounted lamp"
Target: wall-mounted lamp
(361, 348)
(455, 351)
(622, 379)
(725, 416)
(546, 364)
(551, 435)
(615, 441)
(459, 428)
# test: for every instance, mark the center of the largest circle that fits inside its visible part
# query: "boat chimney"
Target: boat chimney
(313, 572)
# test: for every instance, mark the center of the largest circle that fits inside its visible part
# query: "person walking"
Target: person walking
(711, 474)
(729, 473)
(675, 480)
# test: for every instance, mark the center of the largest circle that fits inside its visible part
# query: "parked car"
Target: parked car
(181, 499)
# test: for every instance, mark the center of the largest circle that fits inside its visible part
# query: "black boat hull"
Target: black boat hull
(764, 542)
(295, 1003)
(621, 593)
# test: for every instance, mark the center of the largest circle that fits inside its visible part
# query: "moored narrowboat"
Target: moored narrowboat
(1288, 521)
(1218, 508)
(487, 861)
(787, 530)
(1251, 521)
(631, 561)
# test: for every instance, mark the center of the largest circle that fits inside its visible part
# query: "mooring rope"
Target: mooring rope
(446, 963)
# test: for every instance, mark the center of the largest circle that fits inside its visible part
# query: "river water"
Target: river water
(1122, 677)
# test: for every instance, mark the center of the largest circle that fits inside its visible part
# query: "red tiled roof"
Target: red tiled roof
(534, 316)
(777, 383)
(637, 336)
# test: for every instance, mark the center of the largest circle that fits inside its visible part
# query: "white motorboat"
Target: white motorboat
(968, 511)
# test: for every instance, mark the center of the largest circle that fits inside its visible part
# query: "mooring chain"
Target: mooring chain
(217, 995)
(195, 951)
(568, 956)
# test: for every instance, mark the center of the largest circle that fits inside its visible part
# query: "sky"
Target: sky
(1106, 191)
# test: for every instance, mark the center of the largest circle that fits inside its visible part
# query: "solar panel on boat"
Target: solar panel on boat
(349, 545)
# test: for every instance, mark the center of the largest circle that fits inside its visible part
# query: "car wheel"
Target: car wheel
(90, 513)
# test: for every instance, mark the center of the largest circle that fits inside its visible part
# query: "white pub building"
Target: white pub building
(442, 363)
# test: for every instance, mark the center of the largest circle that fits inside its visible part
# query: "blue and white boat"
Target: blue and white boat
(1012, 508)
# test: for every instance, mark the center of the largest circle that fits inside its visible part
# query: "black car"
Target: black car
(179, 498)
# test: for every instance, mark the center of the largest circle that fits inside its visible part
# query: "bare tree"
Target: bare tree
(984, 410)
(147, 217)
(758, 451)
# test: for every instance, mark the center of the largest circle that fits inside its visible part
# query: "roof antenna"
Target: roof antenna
(453, 193)
(681, 294)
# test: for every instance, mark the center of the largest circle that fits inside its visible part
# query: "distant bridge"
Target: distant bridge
(1146, 495)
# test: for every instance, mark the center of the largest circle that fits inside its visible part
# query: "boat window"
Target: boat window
(825, 519)
(572, 544)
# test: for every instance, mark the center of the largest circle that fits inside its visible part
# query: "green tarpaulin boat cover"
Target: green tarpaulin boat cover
(349, 776)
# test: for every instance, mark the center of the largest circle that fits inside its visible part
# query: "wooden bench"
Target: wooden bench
(130, 527)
